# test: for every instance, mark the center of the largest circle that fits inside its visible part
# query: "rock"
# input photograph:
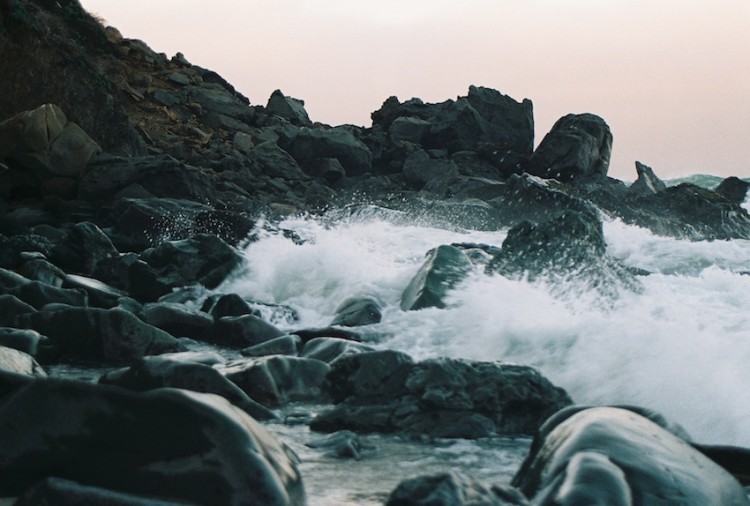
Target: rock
(71, 152)
(273, 381)
(569, 251)
(12, 249)
(18, 362)
(733, 188)
(243, 143)
(419, 169)
(647, 183)
(43, 271)
(129, 442)
(357, 311)
(330, 169)
(283, 345)
(309, 334)
(445, 267)
(330, 349)
(177, 319)
(385, 392)
(23, 340)
(311, 145)
(273, 161)
(203, 259)
(229, 304)
(342, 444)
(452, 489)
(10, 280)
(150, 373)
(408, 129)
(68, 493)
(579, 146)
(242, 331)
(85, 246)
(99, 294)
(608, 455)
(215, 98)
(39, 295)
(291, 109)
(11, 307)
(92, 333)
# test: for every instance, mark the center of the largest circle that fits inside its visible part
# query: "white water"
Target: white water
(680, 347)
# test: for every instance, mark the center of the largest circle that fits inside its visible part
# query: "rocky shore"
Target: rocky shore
(129, 183)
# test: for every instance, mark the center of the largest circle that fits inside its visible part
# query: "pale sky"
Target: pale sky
(670, 77)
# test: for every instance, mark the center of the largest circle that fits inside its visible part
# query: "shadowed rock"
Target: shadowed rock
(647, 183)
(452, 489)
(445, 267)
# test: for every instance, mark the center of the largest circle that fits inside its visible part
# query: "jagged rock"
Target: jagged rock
(408, 129)
(733, 188)
(357, 311)
(23, 340)
(177, 319)
(83, 248)
(647, 183)
(242, 331)
(419, 169)
(216, 99)
(99, 294)
(330, 349)
(291, 109)
(579, 146)
(275, 162)
(129, 442)
(445, 267)
(150, 373)
(18, 362)
(273, 381)
(310, 145)
(282, 345)
(385, 391)
(202, 259)
(608, 455)
(452, 489)
(93, 333)
(68, 493)
(229, 304)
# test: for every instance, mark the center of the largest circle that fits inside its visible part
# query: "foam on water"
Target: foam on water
(680, 346)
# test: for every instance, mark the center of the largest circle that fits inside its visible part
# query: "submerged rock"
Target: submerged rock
(358, 311)
(452, 489)
(444, 268)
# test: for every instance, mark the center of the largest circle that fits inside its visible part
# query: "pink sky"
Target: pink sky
(670, 77)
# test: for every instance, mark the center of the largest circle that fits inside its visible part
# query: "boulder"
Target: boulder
(385, 391)
(177, 319)
(273, 161)
(357, 311)
(230, 304)
(452, 489)
(330, 349)
(13, 249)
(39, 295)
(291, 109)
(273, 381)
(217, 99)
(310, 145)
(43, 271)
(18, 362)
(150, 373)
(69, 493)
(343, 444)
(84, 247)
(408, 129)
(11, 308)
(23, 340)
(128, 442)
(445, 267)
(242, 331)
(578, 147)
(647, 183)
(283, 345)
(420, 169)
(733, 188)
(607, 455)
(99, 294)
(92, 333)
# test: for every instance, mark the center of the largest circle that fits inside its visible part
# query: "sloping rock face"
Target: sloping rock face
(167, 444)
(444, 268)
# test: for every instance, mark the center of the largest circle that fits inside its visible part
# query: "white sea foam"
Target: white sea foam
(681, 346)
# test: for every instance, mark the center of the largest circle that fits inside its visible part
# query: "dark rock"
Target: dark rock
(215, 98)
(283, 345)
(578, 147)
(329, 169)
(39, 295)
(99, 294)
(273, 381)
(308, 334)
(10, 280)
(419, 169)
(733, 188)
(150, 373)
(229, 304)
(647, 183)
(11, 307)
(13, 248)
(608, 455)
(445, 267)
(233, 228)
(199, 357)
(177, 319)
(116, 271)
(68, 493)
(330, 349)
(23, 340)
(291, 109)
(92, 333)
(203, 259)
(358, 311)
(311, 144)
(242, 331)
(83, 248)
(386, 392)
(18, 362)
(275, 162)
(129, 442)
(452, 489)
(43, 271)
(408, 129)
(342, 444)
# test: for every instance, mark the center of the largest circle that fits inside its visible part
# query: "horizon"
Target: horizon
(669, 79)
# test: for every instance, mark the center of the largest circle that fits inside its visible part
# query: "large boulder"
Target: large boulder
(615, 456)
(39, 294)
(452, 489)
(167, 444)
(733, 188)
(357, 311)
(242, 331)
(444, 268)
(311, 145)
(68, 493)
(291, 109)
(18, 362)
(92, 333)
(83, 248)
(578, 147)
(177, 319)
(273, 161)
(385, 391)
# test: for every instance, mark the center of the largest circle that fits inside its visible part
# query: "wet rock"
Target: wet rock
(330, 349)
(99, 294)
(419, 169)
(274, 381)
(610, 455)
(291, 109)
(579, 146)
(11, 308)
(386, 392)
(150, 373)
(311, 145)
(445, 267)
(647, 183)
(358, 311)
(39, 295)
(275, 162)
(92, 333)
(452, 489)
(733, 188)
(216, 454)
(177, 319)
(68, 493)
(18, 362)
(242, 331)
(82, 249)
(337, 332)
(23, 340)
(43, 271)
(342, 444)
(283, 345)
(229, 304)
